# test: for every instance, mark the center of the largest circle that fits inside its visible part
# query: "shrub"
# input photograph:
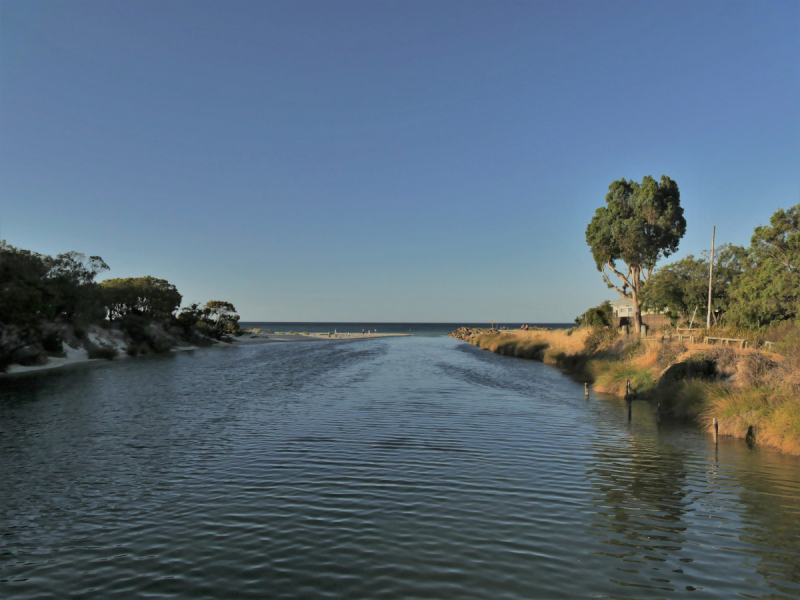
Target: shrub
(52, 342)
(756, 369)
(599, 338)
(723, 356)
(105, 352)
(633, 348)
(31, 356)
(669, 353)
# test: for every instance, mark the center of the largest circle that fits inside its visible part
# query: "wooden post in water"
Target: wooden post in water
(658, 412)
(586, 389)
(715, 425)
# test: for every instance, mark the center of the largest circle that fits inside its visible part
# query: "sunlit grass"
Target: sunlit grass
(757, 392)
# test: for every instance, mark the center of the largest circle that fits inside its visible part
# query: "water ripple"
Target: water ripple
(394, 468)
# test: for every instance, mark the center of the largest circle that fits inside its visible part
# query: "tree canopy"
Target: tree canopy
(599, 316)
(215, 319)
(641, 223)
(143, 296)
(768, 289)
(681, 287)
(43, 297)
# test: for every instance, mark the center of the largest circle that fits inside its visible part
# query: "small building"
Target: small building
(623, 316)
(622, 307)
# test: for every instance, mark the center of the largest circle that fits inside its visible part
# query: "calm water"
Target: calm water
(410, 328)
(414, 467)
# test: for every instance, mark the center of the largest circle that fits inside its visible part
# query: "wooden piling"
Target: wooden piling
(658, 413)
(586, 389)
(715, 425)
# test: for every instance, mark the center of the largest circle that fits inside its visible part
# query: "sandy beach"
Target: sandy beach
(75, 356)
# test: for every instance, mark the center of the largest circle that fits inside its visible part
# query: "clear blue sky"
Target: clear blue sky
(392, 161)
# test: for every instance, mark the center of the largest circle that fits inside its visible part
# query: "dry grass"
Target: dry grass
(740, 388)
(773, 413)
(532, 344)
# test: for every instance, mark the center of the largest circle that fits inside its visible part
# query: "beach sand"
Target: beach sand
(76, 356)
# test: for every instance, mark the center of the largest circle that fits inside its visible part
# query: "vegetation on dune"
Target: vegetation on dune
(46, 301)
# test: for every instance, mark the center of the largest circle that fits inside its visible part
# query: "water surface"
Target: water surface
(388, 468)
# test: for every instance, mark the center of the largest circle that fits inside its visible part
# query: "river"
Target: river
(390, 468)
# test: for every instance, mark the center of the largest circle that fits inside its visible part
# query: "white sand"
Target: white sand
(73, 356)
(114, 339)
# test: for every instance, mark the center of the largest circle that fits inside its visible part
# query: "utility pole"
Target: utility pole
(710, 277)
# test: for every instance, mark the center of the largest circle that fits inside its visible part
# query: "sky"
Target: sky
(386, 161)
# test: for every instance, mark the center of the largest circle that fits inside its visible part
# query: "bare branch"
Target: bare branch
(649, 272)
(620, 275)
(611, 285)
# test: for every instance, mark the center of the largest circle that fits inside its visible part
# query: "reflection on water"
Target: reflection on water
(393, 468)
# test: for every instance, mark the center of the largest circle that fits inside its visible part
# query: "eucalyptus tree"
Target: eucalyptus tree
(681, 288)
(768, 288)
(641, 223)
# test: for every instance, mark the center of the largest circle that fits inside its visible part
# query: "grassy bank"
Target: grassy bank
(745, 390)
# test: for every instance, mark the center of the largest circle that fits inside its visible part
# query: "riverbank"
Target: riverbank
(753, 395)
(107, 344)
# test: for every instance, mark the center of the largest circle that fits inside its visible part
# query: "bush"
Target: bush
(52, 342)
(633, 349)
(669, 353)
(599, 338)
(756, 370)
(30, 357)
(105, 352)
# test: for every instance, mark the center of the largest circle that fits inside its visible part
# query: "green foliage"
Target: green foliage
(768, 289)
(599, 316)
(680, 287)
(617, 373)
(36, 288)
(23, 296)
(52, 342)
(143, 296)
(215, 319)
(639, 224)
(105, 352)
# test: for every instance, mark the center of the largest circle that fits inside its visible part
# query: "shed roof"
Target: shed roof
(622, 302)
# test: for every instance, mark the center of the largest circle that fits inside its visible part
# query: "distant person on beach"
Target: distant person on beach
(362, 333)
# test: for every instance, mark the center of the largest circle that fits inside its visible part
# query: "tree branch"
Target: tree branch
(611, 285)
(620, 275)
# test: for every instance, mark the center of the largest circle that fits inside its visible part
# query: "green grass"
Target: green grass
(612, 377)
